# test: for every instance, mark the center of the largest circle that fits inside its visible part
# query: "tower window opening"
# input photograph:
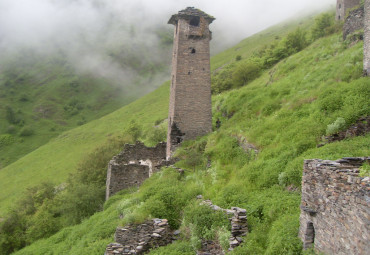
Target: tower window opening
(193, 51)
(309, 236)
(340, 6)
(195, 21)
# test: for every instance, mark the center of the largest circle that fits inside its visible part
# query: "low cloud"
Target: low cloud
(86, 31)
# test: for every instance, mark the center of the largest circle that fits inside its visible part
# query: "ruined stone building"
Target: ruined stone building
(133, 166)
(335, 207)
(190, 112)
(343, 6)
(367, 37)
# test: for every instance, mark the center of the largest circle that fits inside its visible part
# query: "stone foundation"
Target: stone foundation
(335, 209)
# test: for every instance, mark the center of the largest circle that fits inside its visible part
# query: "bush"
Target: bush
(203, 222)
(134, 130)
(245, 72)
(27, 131)
(6, 139)
(335, 127)
(296, 41)
(324, 25)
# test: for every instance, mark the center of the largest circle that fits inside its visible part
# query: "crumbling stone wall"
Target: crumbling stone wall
(140, 238)
(367, 38)
(133, 166)
(343, 6)
(354, 22)
(238, 220)
(335, 207)
(190, 110)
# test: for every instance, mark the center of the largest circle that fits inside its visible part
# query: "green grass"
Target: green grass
(251, 45)
(284, 113)
(55, 160)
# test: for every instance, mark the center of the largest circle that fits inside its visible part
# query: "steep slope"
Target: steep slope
(45, 94)
(283, 114)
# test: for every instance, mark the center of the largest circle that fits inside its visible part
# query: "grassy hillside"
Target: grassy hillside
(283, 113)
(43, 96)
(55, 160)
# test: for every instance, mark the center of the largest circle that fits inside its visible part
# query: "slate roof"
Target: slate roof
(190, 12)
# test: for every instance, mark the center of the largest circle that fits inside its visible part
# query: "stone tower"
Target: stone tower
(367, 38)
(343, 6)
(190, 111)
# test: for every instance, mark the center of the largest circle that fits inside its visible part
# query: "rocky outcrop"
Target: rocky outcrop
(140, 238)
(335, 206)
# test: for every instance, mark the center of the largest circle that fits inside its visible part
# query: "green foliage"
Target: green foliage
(176, 248)
(336, 126)
(324, 25)
(27, 131)
(156, 135)
(365, 170)
(6, 139)
(205, 223)
(245, 72)
(134, 129)
(44, 209)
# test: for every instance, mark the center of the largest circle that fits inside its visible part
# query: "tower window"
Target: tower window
(340, 6)
(195, 21)
(193, 51)
(309, 236)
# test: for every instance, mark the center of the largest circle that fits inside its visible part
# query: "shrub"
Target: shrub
(204, 222)
(156, 135)
(336, 126)
(324, 25)
(296, 41)
(245, 72)
(6, 139)
(134, 130)
(27, 131)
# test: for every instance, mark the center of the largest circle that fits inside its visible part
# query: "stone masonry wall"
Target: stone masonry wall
(335, 207)
(367, 38)
(354, 22)
(140, 238)
(343, 6)
(190, 110)
(133, 166)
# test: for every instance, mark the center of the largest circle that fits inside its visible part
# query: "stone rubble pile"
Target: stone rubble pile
(138, 239)
(238, 219)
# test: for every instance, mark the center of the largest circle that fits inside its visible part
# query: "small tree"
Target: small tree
(245, 72)
(324, 25)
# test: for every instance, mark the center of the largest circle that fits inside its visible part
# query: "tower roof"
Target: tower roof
(190, 12)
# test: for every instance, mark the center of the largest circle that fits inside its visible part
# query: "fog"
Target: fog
(86, 31)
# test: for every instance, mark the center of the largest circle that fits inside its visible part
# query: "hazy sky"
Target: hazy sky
(34, 21)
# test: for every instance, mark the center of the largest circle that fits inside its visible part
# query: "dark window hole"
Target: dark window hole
(195, 21)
